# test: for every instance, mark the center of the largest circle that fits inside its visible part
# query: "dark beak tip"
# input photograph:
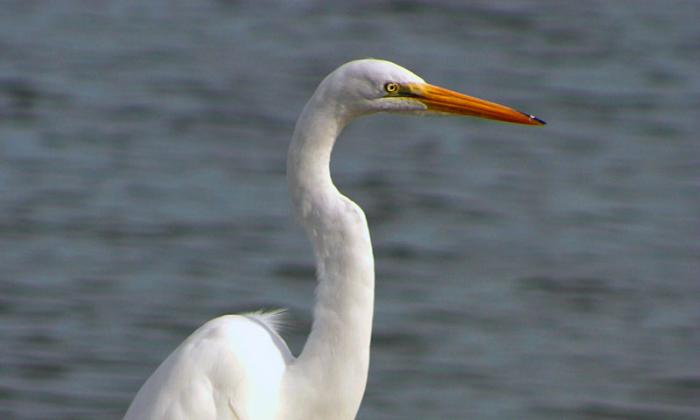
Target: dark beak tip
(533, 118)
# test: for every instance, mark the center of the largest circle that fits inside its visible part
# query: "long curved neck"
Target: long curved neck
(332, 368)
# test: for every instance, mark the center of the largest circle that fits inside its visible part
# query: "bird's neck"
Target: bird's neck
(335, 360)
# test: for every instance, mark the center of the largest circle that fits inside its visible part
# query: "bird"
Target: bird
(238, 367)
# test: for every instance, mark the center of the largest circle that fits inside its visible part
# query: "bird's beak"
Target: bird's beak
(446, 101)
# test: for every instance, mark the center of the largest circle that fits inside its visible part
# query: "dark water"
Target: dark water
(522, 272)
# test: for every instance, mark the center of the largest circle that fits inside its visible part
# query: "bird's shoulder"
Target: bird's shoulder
(228, 365)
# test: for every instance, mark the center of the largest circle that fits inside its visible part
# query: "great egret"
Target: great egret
(238, 366)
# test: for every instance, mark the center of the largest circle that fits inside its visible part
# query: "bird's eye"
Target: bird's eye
(391, 87)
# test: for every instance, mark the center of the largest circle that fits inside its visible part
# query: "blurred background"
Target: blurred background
(522, 272)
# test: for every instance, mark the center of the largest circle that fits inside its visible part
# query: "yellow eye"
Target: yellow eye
(391, 87)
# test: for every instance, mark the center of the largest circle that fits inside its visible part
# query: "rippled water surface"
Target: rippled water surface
(522, 273)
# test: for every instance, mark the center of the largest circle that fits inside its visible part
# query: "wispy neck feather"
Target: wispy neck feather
(335, 358)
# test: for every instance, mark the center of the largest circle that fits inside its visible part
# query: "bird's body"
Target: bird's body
(207, 361)
(237, 366)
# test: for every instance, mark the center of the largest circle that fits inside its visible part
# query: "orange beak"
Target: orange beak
(446, 101)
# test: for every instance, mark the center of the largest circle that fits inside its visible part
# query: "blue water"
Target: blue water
(522, 272)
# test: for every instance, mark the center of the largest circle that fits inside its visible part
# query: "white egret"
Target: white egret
(238, 366)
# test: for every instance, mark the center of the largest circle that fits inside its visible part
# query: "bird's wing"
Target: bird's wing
(230, 368)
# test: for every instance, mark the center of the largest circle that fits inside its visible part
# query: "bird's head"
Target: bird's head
(368, 86)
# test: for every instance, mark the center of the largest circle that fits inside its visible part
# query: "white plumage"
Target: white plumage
(241, 355)
(237, 366)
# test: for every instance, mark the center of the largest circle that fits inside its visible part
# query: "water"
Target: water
(521, 272)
